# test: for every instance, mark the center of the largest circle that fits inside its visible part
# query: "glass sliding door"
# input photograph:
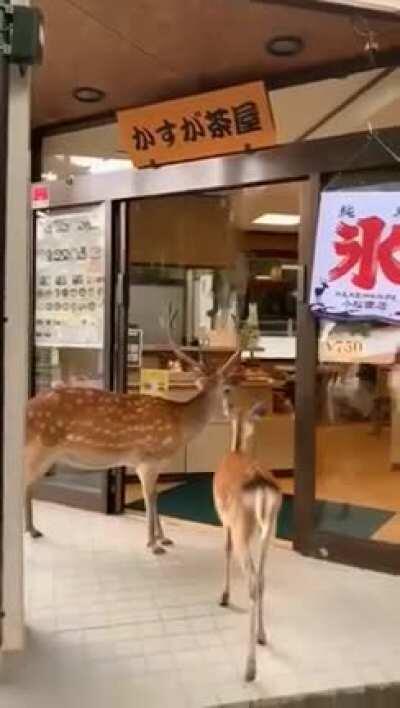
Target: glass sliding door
(223, 265)
(356, 508)
(72, 263)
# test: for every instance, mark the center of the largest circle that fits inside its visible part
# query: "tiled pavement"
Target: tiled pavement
(111, 625)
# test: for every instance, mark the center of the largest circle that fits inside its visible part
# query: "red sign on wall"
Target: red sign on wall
(40, 197)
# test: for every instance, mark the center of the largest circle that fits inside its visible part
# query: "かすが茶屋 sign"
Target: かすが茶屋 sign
(356, 273)
(209, 124)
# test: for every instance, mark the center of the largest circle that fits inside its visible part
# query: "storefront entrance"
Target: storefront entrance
(202, 239)
(226, 268)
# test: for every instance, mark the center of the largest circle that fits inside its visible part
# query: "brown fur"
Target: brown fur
(247, 499)
(92, 429)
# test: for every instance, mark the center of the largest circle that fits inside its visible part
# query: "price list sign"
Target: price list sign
(70, 279)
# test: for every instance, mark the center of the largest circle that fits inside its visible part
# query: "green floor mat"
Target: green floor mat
(193, 500)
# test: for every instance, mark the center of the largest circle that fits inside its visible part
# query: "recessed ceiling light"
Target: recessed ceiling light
(275, 219)
(287, 46)
(88, 94)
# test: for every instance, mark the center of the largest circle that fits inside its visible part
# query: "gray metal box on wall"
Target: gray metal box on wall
(148, 302)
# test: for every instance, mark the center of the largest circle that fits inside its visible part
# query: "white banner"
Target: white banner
(356, 273)
(377, 5)
(70, 278)
(338, 343)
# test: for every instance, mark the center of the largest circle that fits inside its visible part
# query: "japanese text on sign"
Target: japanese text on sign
(220, 122)
(356, 272)
(70, 279)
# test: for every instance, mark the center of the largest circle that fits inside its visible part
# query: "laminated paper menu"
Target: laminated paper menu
(70, 278)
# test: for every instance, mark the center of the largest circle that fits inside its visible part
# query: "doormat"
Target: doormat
(382, 696)
(192, 500)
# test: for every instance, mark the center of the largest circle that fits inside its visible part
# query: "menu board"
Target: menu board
(70, 278)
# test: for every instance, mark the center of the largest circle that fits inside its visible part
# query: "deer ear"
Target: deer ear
(258, 411)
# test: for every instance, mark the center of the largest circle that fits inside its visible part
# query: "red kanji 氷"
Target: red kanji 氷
(361, 245)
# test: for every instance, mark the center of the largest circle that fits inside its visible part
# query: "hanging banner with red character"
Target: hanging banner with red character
(356, 274)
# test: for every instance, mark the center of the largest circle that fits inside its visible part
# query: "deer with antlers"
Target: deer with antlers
(91, 430)
(247, 499)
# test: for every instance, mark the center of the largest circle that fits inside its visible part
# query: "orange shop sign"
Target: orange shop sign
(221, 122)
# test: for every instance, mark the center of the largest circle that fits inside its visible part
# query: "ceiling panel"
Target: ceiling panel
(143, 51)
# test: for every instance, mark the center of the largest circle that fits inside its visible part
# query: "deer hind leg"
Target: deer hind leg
(254, 601)
(160, 535)
(37, 464)
(29, 525)
(241, 535)
(148, 477)
(228, 554)
(269, 512)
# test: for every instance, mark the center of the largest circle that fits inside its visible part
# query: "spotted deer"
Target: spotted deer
(91, 429)
(247, 499)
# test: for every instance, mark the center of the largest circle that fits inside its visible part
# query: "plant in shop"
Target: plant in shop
(250, 332)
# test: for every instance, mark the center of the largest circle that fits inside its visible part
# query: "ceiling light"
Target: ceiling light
(98, 165)
(275, 219)
(287, 46)
(88, 94)
(49, 176)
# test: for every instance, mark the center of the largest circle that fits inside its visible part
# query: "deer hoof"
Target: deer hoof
(158, 550)
(250, 671)
(262, 639)
(167, 542)
(34, 533)
(224, 601)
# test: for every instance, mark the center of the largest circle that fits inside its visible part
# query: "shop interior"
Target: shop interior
(226, 264)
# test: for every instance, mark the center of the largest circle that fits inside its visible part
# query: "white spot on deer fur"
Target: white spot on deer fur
(168, 441)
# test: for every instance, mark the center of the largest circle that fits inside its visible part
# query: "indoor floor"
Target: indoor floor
(353, 468)
(358, 490)
(110, 624)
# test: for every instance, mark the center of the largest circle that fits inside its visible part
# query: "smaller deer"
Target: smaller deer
(247, 499)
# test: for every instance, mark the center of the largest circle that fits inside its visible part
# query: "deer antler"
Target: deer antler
(236, 354)
(167, 323)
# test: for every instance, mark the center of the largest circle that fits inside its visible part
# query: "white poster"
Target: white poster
(356, 273)
(358, 344)
(70, 278)
(376, 5)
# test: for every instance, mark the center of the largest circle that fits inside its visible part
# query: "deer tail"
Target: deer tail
(264, 498)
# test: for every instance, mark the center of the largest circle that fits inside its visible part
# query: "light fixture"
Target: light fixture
(88, 94)
(99, 165)
(276, 219)
(49, 176)
(285, 46)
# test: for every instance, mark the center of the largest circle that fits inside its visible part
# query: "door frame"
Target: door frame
(305, 161)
